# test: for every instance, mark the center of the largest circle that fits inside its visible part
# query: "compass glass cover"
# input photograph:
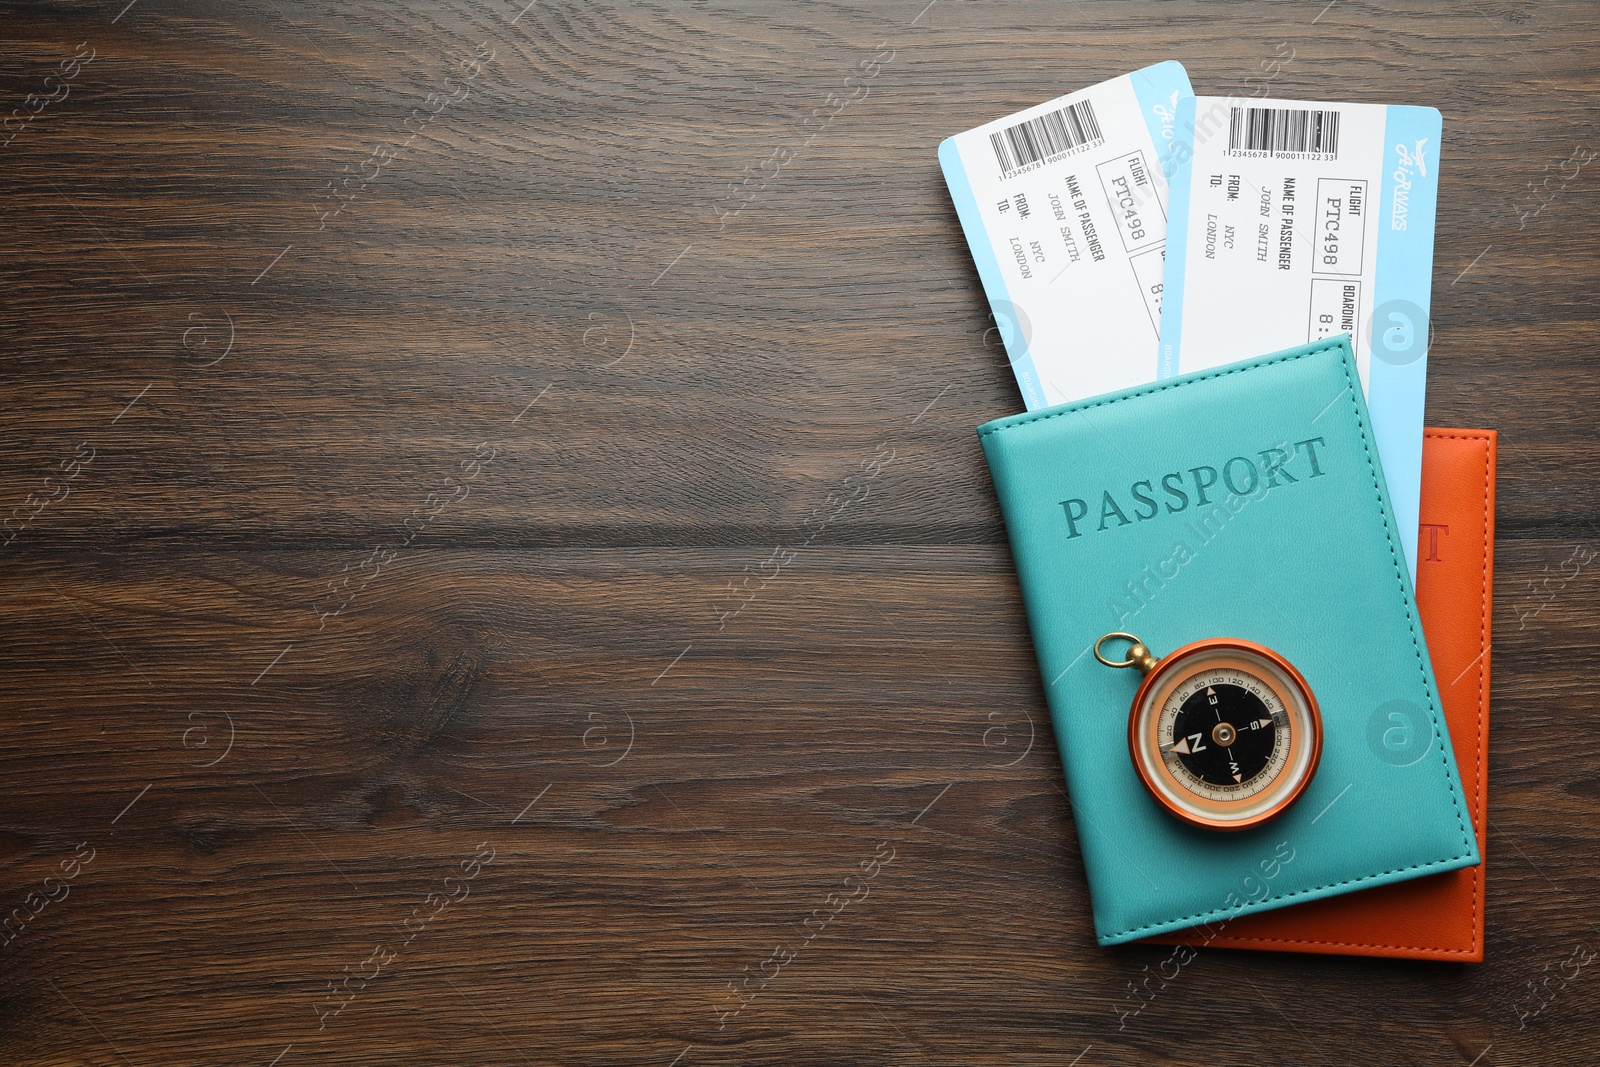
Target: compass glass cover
(1225, 735)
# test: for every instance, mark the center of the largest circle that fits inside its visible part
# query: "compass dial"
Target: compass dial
(1226, 734)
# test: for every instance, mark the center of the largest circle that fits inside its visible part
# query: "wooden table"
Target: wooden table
(500, 539)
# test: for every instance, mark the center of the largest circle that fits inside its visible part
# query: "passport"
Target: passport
(1243, 501)
(1439, 917)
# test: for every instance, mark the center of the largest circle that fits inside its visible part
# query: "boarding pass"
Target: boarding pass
(1064, 208)
(1294, 221)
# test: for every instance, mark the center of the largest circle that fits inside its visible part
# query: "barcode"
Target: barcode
(1050, 133)
(1279, 130)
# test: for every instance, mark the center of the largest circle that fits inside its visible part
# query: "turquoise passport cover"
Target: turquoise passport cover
(1242, 501)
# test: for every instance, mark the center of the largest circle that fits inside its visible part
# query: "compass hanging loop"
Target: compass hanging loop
(1138, 654)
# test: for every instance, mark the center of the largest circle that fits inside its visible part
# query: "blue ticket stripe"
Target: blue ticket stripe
(1159, 89)
(1398, 371)
(1007, 317)
(1178, 166)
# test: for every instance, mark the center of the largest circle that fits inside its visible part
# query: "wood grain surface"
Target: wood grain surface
(444, 624)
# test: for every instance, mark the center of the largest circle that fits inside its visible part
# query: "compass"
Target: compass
(1224, 733)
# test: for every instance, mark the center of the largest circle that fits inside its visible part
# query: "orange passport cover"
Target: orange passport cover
(1439, 917)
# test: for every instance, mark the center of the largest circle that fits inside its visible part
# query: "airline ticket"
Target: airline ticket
(1064, 206)
(1292, 221)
